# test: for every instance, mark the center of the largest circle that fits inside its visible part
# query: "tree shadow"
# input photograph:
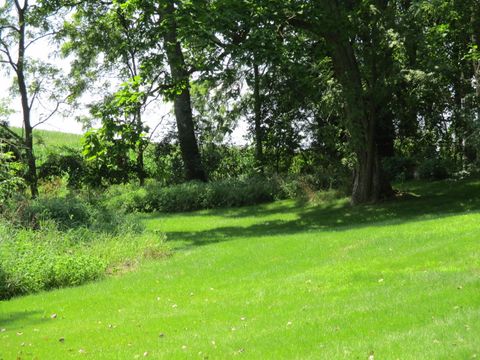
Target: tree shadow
(422, 202)
(12, 320)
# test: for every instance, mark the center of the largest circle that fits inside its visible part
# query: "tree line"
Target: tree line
(374, 88)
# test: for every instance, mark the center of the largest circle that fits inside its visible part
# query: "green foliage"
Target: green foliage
(11, 180)
(167, 163)
(64, 162)
(35, 260)
(39, 260)
(193, 195)
(57, 242)
(399, 168)
(434, 169)
(68, 212)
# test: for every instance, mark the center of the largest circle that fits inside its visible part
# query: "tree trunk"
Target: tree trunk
(182, 101)
(258, 118)
(22, 87)
(371, 133)
(140, 166)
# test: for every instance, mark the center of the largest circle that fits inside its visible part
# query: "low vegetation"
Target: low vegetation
(66, 241)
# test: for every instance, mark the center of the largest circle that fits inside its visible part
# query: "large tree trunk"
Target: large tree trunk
(20, 68)
(370, 127)
(182, 102)
(258, 118)
(371, 131)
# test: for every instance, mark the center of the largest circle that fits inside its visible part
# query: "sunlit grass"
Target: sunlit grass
(283, 280)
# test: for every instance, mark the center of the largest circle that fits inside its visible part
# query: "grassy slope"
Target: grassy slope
(45, 140)
(53, 138)
(280, 281)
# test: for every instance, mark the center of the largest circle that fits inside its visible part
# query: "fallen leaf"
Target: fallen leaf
(145, 354)
(53, 316)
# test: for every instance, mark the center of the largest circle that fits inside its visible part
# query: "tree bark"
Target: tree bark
(371, 130)
(182, 101)
(22, 87)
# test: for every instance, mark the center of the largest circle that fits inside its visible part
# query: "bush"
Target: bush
(434, 169)
(67, 212)
(70, 212)
(68, 162)
(11, 181)
(193, 195)
(399, 168)
(39, 260)
(35, 260)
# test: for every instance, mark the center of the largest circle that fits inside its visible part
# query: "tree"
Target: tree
(22, 25)
(143, 37)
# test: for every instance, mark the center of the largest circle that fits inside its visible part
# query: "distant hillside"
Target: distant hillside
(54, 138)
(47, 141)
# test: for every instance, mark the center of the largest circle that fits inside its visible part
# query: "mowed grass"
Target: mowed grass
(400, 280)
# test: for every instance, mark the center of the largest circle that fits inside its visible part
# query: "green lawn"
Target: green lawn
(280, 281)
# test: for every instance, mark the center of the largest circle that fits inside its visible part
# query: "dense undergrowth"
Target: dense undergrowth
(227, 193)
(64, 241)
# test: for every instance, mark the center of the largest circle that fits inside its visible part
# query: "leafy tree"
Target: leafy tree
(144, 37)
(21, 25)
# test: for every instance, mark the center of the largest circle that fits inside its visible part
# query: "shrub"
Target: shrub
(35, 260)
(68, 162)
(399, 168)
(434, 169)
(193, 195)
(10, 176)
(67, 212)
(70, 212)
(39, 260)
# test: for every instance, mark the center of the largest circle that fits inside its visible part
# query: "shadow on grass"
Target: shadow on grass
(422, 201)
(9, 321)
